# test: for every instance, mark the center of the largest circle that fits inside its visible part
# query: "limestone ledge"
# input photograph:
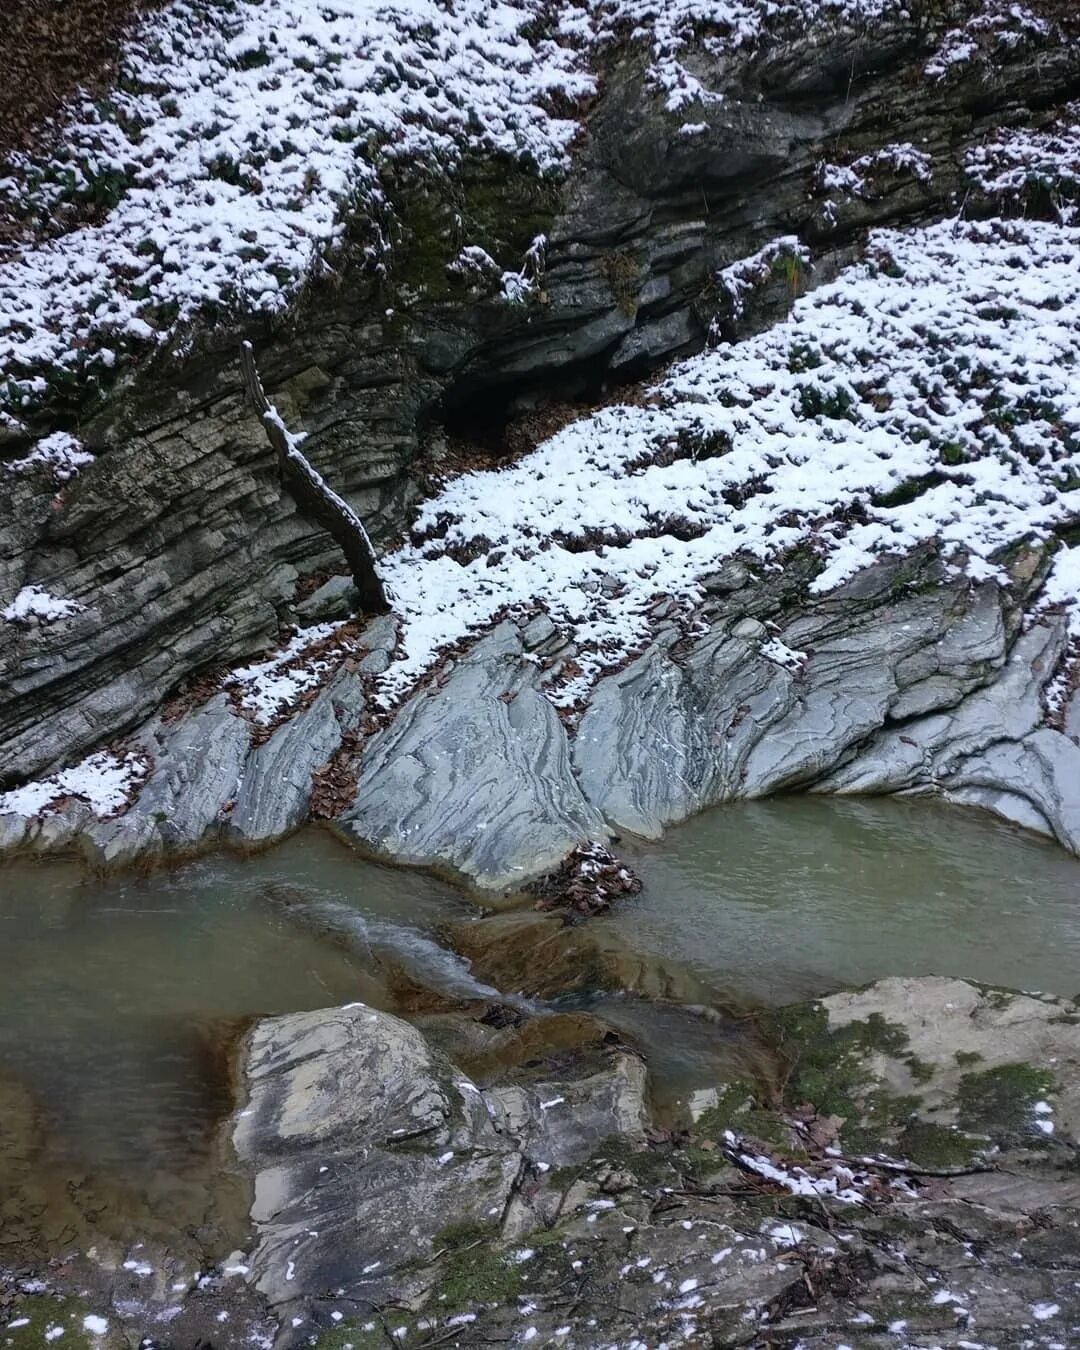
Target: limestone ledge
(905, 682)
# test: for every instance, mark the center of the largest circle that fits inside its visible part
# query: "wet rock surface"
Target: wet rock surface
(474, 775)
(367, 1144)
(900, 1173)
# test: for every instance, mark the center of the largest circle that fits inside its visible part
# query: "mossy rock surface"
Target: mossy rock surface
(934, 1071)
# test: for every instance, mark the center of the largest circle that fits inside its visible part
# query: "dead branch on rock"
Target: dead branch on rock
(586, 881)
(314, 496)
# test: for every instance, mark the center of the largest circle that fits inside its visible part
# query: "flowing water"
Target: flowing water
(122, 1001)
(785, 899)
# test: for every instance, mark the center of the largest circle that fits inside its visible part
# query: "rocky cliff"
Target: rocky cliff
(713, 177)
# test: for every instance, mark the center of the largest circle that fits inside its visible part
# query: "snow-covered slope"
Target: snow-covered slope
(932, 392)
(219, 173)
(220, 170)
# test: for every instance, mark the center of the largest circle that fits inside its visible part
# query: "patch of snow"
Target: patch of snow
(105, 781)
(781, 655)
(1042, 1312)
(1013, 159)
(233, 145)
(994, 30)
(857, 179)
(720, 26)
(931, 393)
(839, 1183)
(61, 454)
(741, 278)
(96, 1326)
(1062, 586)
(34, 604)
(266, 687)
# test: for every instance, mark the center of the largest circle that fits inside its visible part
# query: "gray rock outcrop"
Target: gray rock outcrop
(366, 1144)
(177, 539)
(891, 1179)
(474, 775)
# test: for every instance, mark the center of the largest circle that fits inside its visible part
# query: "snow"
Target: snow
(96, 1326)
(61, 454)
(1062, 587)
(34, 604)
(1042, 1312)
(232, 147)
(220, 172)
(746, 275)
(996, 28)
(931, 393)
(784, 1234)
(103, 780)
(1012, 160)
(720, 26)
(264, 688)
(798, 1181)
(864, 176)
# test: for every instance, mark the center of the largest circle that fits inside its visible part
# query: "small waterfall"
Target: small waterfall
(420, 956)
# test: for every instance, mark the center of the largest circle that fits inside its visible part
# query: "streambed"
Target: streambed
(122, 1000)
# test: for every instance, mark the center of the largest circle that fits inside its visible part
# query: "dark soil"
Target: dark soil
(48, 49)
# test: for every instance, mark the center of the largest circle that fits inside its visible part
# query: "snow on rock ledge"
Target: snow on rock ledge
(930, 393)
(235, 143)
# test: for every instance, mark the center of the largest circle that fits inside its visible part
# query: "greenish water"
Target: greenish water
(122, 1002)
(781, 900)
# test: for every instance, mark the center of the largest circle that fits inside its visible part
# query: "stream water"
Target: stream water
(121, 1001)
(794, 897)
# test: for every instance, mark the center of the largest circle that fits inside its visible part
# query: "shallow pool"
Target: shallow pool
(780, 900)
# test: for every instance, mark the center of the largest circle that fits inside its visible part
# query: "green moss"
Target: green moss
(352, 1333)
(827, 1066)
(927, 1144)
(965, 1058)
(920, 1071)
(647, 1165)
(829, 1069)
(835, 403)
(738, 1111)
(952, 453)
(494, 205)
(473, 1270)
(999, 1101)
(622, 272)
(43, 1311)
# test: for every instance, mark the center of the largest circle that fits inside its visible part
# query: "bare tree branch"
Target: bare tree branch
(314, 496)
